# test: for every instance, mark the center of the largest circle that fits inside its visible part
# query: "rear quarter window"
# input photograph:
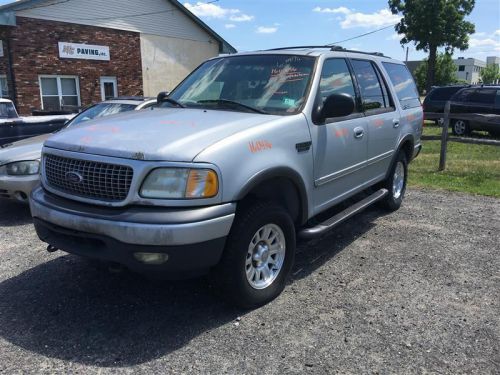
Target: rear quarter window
(443, 93)
(403, 83)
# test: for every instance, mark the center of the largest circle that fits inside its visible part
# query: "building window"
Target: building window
(59, 93)
(4, 88)
(108, 88)
(461, 68)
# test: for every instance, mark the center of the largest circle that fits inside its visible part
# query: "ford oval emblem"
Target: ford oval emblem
(74, 177)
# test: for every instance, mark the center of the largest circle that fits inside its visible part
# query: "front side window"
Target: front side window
(274, 84)
(483, 96)
(336, 79)
(404, 85)
(59, 93)
(370, 86)
(7, 110)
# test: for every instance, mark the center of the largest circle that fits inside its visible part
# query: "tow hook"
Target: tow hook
(51, 248)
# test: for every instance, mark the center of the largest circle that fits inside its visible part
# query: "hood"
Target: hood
(159, 134)
(26, 149)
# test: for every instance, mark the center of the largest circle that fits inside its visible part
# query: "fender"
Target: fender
(284, 172)
(407, 137)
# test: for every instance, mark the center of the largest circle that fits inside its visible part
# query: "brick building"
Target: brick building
(64, 54)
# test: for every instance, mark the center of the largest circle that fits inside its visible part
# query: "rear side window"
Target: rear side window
(373, 93)
(404, 85)
(443, 93)
(463, 95)
(483, 96)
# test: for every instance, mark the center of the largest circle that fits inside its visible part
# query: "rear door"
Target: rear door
(382, 117)
(339, 145)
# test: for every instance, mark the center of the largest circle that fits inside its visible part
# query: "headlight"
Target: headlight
(22, 168)
(180, 183)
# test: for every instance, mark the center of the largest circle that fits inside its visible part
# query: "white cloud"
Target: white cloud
(497, 33)
(342, 10)
(266, 30)
(240, 17)
(229, 25)
(395, 36)
(383, 17)
(210, 10)
(489, 43)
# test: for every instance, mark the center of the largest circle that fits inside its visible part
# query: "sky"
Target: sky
(261, 24)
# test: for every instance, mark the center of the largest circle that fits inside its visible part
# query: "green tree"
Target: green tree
(490, 74)
(445, 72)
(431, 24)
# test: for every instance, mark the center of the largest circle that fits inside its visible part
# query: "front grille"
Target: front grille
(90, 179)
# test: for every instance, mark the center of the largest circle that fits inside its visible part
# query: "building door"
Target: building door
(109, 88)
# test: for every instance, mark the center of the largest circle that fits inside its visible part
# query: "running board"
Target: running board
(318, 230)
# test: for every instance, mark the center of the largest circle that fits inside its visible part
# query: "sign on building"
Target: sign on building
(83, 51)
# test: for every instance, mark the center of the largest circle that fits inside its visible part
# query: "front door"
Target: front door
(109, 88)
(340, 145)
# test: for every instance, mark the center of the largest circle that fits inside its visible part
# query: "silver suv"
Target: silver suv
(238, 161)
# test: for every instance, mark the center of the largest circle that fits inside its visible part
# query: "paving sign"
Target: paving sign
(83, 51)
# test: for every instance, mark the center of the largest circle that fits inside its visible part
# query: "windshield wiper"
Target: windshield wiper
(232, 103)
(173, 101)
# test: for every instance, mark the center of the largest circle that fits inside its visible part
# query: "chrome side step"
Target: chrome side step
(318, 230)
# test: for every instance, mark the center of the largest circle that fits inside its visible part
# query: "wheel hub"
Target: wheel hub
(261, 254)
(398, 180)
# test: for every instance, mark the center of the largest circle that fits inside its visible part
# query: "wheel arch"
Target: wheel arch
(406, 144)
(283, 185)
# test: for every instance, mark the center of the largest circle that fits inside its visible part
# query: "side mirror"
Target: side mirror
(162, 95)
(337, 105)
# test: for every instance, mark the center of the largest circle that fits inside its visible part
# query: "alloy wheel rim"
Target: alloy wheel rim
(460, 127)
(398, 180)
(265, 256)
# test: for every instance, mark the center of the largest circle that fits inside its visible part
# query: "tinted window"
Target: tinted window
(461, 68)
(403, 83)
(443, 93)
(497, 98)
(336, 79)
(483, 96)
(369, 85)
(463, 95)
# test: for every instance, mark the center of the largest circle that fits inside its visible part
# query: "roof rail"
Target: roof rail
(331, 48)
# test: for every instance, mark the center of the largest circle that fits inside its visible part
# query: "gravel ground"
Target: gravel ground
(416, 291)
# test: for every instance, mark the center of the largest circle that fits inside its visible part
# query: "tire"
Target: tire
(460, 127)
(439, 121)
(248, 250)
(396, 184)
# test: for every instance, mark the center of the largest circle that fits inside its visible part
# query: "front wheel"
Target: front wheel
(396, 183)
(258, 257)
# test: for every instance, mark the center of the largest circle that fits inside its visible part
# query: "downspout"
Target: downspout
(10, 72)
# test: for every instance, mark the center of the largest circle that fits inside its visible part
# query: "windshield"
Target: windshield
(100, 110)
(7, 110)
(274, 84)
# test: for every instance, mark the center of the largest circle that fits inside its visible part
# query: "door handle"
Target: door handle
(395, 123)
(359, 132)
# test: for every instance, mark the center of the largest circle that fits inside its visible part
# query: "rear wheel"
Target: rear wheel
(396, 183)
(460, 127)
(259, 255)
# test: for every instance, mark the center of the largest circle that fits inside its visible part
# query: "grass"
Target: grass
(469, 168)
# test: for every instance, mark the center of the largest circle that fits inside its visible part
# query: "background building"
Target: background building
(468, 69)
(62, 54)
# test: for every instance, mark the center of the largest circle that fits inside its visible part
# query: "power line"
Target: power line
(361, 35)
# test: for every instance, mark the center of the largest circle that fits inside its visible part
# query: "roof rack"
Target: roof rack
(330, 47)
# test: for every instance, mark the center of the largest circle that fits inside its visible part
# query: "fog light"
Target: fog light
(151, 258)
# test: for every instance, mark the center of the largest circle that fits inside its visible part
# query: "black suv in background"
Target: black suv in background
(435, 101)
(476, 108)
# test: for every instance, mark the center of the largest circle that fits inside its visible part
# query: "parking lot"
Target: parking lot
(410, 292)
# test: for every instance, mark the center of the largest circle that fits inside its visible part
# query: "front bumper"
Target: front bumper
(18, 187)
(193, 238)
